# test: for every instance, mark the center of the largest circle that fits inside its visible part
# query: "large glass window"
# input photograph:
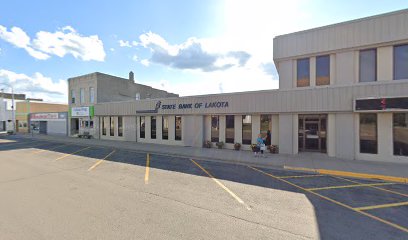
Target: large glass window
(91, 95)
(178, 128)
(215, 128)
(229, 129)
(142, 127)
(303, 72)
(246, 129)
(323, 70)
(153, 127)
(104, 121)
(368, 65)
(368, 133)
(82, 95)
(400, 133)
(72, 96)
(120, 126)
(401, 62)
(266, 125)
(112, 126)
(165, 127)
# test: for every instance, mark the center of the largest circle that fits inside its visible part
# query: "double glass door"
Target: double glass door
(312, 133)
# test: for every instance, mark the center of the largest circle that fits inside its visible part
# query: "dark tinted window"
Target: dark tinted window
(229, 129)
(368, 133)
(215, 128)
(368, 65)
(153, 127)
(400, 134)
(165, 127)
(246, 129)
(401, 62)
(303, 72)
(178, 128)
(142, 127)
(323, 70)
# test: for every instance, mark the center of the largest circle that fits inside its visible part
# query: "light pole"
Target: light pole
(13, 113)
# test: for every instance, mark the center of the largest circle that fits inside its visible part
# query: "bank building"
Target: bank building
(343, 92)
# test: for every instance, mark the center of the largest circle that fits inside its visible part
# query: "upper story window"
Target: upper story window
(82, 95)
(401, 62)
(303, 72)
(323, 70)
(368, 65)
(91, 95)
(72, 96)
(137, 96)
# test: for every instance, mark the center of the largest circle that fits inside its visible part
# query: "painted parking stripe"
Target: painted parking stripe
(146, 179)
(69, 154)
(378, 188)
(334, 201)
(100, 161)
(382, 206)
(222, 186)
(43, 150)
(350, 186)
(302, 176)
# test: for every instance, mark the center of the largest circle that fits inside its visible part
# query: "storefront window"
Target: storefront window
(266, 124)
(90, 124)
(368, 65)
(215, 128)
(112, 126)
(246, 129)
(104, 121)
(303, 72)
(368, 133)
(120, 126)
(153, 127)
(323, 70)
(400, 134)
(229, 129)
(142, 127)
(178, 128)
(401, 62)
(165, 127)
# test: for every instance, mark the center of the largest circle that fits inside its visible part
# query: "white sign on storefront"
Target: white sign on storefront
(43, 116)
(80, 112)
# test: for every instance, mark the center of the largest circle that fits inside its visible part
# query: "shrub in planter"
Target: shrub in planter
(207, 144)
(220, 144)
(273, 149)
(237, 146)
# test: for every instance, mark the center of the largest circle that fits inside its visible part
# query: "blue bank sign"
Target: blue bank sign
(182, 106)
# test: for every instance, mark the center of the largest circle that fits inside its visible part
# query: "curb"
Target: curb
(350, 174)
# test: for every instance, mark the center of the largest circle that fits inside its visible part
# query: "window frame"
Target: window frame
(153, 131)
(375, 151)
(228, 140)
(215, 138)
(394, 66)
(142, 127)
(165, 130)
(176, 137)
(375, 65)
(317, 72)
(120, 126)
(298, 80)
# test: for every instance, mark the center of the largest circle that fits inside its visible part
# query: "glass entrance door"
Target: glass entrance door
(312, 133)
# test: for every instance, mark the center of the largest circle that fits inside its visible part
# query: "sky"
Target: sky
(188, 47)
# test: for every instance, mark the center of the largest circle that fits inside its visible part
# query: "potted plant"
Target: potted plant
(220, 144)
(237, 146)
(273, 149)
(207, 144)
(254, 147)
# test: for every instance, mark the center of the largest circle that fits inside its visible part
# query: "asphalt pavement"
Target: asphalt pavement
(54, 190)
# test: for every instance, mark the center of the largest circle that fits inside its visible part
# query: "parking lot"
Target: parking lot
(52, 190)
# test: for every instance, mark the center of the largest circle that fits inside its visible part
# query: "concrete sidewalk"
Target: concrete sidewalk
(302, 161)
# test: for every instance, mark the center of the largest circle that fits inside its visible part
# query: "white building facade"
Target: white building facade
(343, 92)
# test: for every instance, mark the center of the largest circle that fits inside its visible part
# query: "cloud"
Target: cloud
(270, 69)
(60, 43)
(135, 58)
(145, 62)
(36, 86)
(190, 54)
(68, 41)
(124, 43)
(20, 39)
